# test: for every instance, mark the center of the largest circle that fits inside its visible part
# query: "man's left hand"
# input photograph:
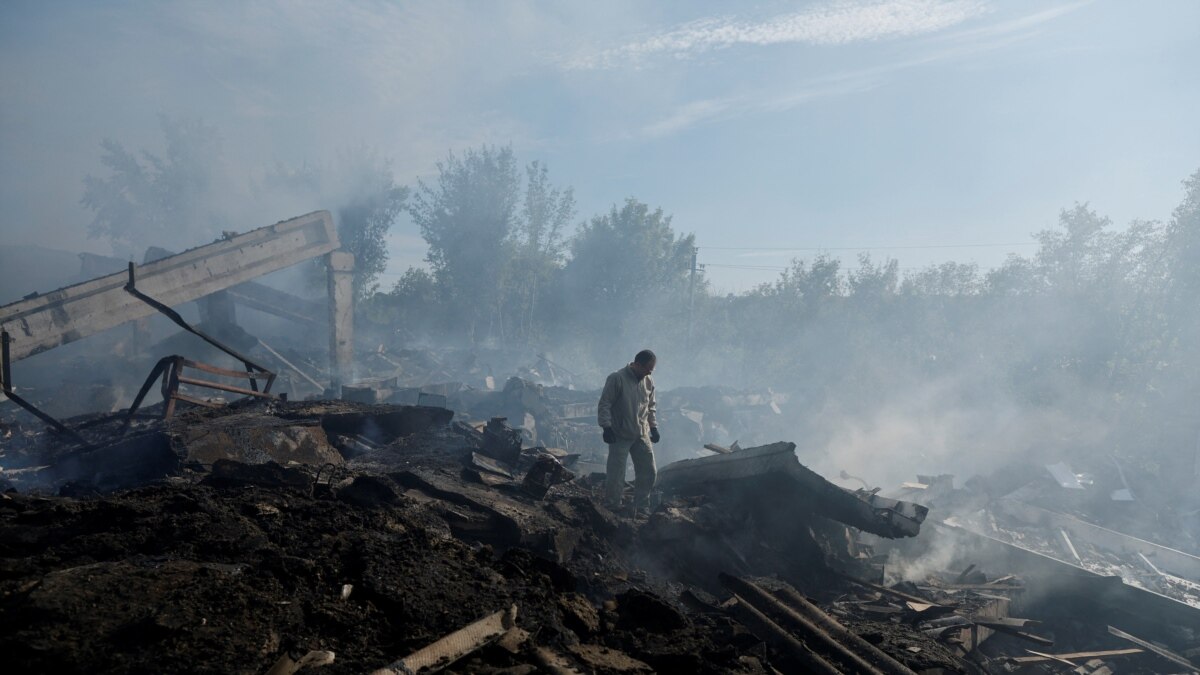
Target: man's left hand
(654, 434)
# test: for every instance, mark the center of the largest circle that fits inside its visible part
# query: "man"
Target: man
(627, 415)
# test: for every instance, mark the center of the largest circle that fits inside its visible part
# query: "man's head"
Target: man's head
(643, 363)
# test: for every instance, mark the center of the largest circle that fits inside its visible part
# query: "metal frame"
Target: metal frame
(6, 385)
(170, 369)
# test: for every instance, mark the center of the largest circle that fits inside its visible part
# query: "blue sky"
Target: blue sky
(853, 123)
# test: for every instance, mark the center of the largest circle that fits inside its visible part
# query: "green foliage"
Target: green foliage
(539, 247)
(872, 280)
(148, 200)
(946, 279)
(624, 258)
(467, 217)
(496, 244)
(409, 310)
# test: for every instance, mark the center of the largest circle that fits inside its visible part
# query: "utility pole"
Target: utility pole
(691, 297)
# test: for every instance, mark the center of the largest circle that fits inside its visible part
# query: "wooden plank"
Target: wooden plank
(1070, 547)
(1041, 658)
(454, 646)
(1165, 653)
(53, 319)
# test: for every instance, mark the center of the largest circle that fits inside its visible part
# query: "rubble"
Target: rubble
(774, 470)
(416, 515)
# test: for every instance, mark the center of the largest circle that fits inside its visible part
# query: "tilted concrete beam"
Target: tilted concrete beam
(47, 321)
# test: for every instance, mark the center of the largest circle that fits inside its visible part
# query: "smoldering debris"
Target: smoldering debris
(424, 509)
(239, 551)
(242, 558)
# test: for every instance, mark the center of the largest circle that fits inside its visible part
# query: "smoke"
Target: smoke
(938, 555)
(937, 427)
(1081, 349)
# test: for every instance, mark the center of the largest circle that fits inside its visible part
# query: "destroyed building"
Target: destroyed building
(415, 511)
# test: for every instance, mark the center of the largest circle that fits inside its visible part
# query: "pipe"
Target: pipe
(769, 631)
(799, 625)
(844, 635)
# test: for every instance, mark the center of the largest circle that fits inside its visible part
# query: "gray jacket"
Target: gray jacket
(627, 405)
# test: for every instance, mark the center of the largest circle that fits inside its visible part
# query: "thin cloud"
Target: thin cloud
(712, 110)
(835, 23)
(1023, 25)
(958, 45)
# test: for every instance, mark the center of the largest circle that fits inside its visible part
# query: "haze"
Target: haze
(814, 125)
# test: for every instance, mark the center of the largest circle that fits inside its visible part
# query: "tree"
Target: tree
(807, 286)
(360, 190)
(467, 218)
(626, 266)
(946, 279)
(412, 309)
(539, 246)
(873, 280)
(1182, 258)
(157, 200)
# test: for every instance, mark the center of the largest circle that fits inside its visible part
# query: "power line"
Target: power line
(862, 248)
(769, 268)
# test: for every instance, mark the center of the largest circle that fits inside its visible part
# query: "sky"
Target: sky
(924, 130)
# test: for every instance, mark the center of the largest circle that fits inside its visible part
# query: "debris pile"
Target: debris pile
(434, 517)
(360, 538)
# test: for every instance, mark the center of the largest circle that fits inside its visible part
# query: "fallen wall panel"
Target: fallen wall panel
(865, 510)
(1170, 560)
(1104, 597)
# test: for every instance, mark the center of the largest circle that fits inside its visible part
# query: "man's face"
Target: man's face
(643, 370)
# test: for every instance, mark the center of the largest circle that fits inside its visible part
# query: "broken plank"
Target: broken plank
(454, 646)
(553, 662)
(1002, 627)
(1066, 540)
(1106, 654)
(1052, 657)
(486, 463)
(1010, 621)
(890, 591)
(962, 576)
(1161, 651)
(983, 587)
(286, 665)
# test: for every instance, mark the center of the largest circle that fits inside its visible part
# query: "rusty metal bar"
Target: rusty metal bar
(55, 424)
(223, 387)
(171, 387)
(160, 368)
(131, 288)
(5, 364)
(217, 370)
(10, 392)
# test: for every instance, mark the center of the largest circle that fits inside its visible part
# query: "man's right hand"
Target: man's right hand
(610, 436)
